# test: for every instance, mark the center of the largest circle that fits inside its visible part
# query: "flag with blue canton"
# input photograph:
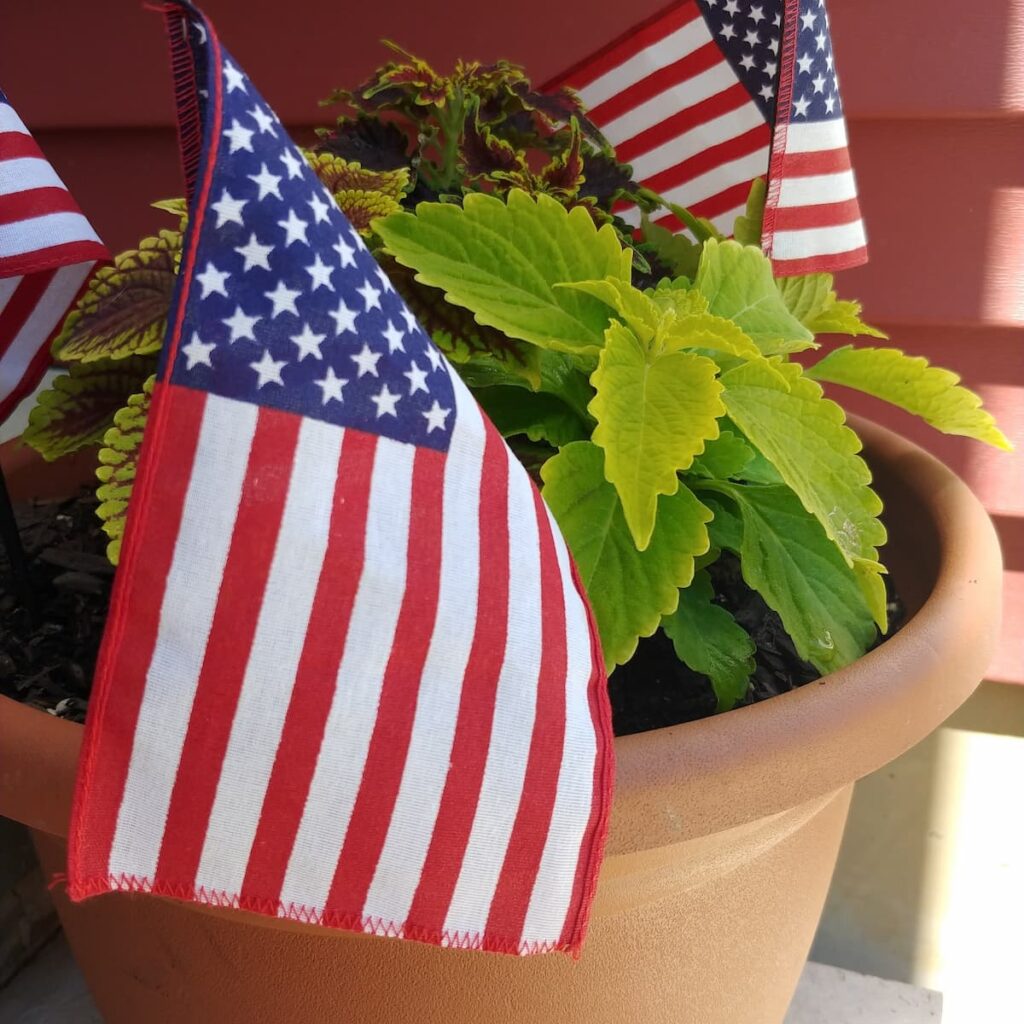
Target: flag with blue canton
(710, 95)
(349, 676)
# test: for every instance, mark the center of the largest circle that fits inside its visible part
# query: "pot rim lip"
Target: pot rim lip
(804, 742)
(693, 779)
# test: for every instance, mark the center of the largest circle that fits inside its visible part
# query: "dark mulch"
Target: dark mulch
(655, 689)
(47, 654)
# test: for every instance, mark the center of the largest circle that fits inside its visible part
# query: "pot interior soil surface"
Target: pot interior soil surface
(48, 645)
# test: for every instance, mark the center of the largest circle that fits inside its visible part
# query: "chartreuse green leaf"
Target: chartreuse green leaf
(807, 296)
(749, 226)
(629, 590)
(708, 639)
(712, 333)
(680, 253)
(124, 309)
(738, 284)
(812, 300)
(805, 437)
(118, 465)
(670, 318)
(843, 317)
(501, 260)
(637, 310)
(728, 455)
(927, 391)
(654, 414)
(786, 556)
(541, 417)
(79, 406)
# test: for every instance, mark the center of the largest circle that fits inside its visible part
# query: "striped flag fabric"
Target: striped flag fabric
(47, 249)
(349, 675)
(711, 94)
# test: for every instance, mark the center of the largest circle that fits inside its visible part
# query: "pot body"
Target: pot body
(723, 838)
(710, 930)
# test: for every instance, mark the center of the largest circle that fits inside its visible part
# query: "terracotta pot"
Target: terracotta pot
(723, 840)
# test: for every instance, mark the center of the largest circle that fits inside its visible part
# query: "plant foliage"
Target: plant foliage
(643, 378)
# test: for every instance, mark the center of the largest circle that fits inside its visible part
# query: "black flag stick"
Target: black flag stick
(16, 557)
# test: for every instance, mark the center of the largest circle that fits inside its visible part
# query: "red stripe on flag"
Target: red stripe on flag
(51, 256)
(824, 215)
(472, 738)
(657, 82)
(396, 711)
(36, 202)
(17, 146)
(242, 587)
(19, 306)
(540, 783)
(708, 159)
(667, 131)
(833, 261)
(592, 847)
(627, 45)
(127, 650)
(825, 161)
(313, 690)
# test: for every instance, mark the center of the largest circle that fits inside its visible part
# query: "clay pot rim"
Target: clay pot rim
(702, 777)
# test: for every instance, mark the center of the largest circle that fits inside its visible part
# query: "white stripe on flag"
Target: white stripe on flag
(805, 242)
(514, 711)
(9, 120)
(815, 189)
(26, 172)
(437, 707)
(552, 891)
(274, 658)
(23, 236)
(815, 136)
(350, 722)
(673, 100)
(186, 614)
(660, 54)
(39, 324)
(698, 140)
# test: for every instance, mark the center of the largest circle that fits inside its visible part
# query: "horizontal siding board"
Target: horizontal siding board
(916, 58)
(943, 202)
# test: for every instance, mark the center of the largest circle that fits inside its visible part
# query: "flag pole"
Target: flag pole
(15, 550)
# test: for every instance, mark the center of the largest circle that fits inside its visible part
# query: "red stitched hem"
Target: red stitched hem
(82, 889)
(783, 102)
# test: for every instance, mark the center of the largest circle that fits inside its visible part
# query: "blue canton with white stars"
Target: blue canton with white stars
(287, 307)
(748, 32)
(815, 88)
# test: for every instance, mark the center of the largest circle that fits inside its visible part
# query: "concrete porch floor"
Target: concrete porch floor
(51, 991)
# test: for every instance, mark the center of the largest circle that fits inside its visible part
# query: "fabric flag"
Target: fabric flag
(47, 249)
(349, 675)
(711, 94)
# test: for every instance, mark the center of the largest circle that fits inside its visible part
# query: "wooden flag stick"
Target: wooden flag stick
(16, 556)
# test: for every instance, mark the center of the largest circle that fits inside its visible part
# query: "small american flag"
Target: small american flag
(711, 94)
(349, 676)
(47, 249)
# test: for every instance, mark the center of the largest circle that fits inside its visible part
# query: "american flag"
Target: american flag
(47, 249)
(349, 676)
(711, 94)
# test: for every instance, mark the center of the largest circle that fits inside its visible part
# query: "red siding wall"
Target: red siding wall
(934, 91)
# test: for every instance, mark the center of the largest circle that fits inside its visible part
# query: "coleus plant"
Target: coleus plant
(645, 378)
